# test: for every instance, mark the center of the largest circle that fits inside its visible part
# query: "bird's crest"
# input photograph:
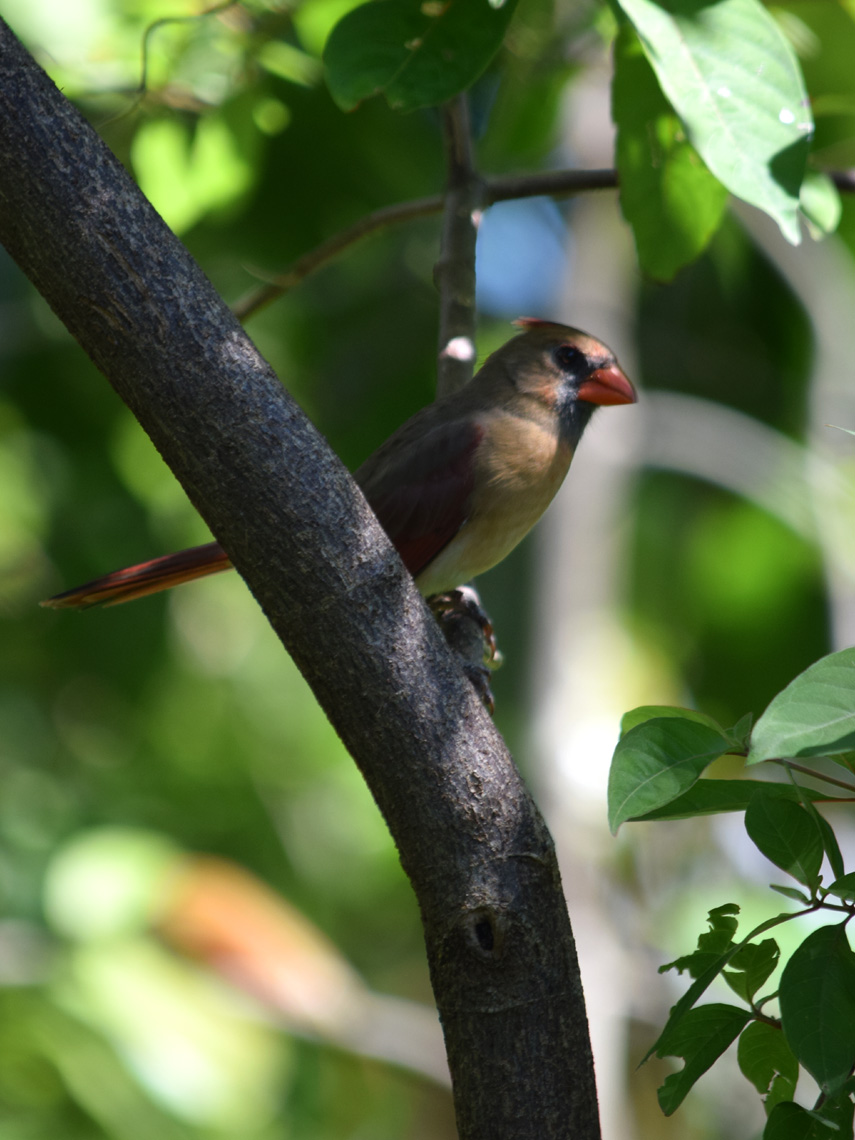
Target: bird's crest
(535, 323)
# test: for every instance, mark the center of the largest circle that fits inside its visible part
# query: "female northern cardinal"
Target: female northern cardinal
(460, 483)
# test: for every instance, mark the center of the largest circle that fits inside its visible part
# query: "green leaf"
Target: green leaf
(786, 835)
(702, 983)
(657, 761)
(844, 887)
(789, 1121)
(826, 833)
(817, 999)
(667, 194)
(751, 967)
(700, 1039)
(840, 1110)
(820, 203)
(813, 716)
(644, 713)
(790, 893)
(712, 944)
(768, 1062)
(741, 731)
(187, 174)
(418, 53)
(735, 82)
(707, 797)
(289, 63)
(829, 841)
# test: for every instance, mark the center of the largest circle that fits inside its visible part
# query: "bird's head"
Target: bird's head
(567, 370)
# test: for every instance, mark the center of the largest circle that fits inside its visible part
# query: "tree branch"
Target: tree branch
(500, 949)
(555, 183)
(454, 273)
(548, 183)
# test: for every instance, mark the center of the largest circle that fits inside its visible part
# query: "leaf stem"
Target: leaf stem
(792, 766)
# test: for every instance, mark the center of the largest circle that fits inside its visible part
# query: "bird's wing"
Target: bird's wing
(419, 486)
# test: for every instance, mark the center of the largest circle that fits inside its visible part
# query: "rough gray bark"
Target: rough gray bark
(480, 859)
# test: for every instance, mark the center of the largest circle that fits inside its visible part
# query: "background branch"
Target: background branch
(454, 272)
(299, 531)
(555, 183)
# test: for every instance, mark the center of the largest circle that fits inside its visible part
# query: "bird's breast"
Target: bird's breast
(519, 466)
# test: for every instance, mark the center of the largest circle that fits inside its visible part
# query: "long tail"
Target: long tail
(145, 578)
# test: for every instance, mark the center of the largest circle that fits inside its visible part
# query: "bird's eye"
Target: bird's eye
(568, 357)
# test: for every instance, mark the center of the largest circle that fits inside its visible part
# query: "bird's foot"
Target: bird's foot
(469, 631)
(479, 676)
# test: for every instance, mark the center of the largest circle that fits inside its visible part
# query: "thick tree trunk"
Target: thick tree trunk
(480, 859)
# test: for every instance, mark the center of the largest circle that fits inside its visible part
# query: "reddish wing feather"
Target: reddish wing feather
(421, 493)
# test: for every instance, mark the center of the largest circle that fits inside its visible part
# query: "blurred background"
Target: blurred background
(204, 929)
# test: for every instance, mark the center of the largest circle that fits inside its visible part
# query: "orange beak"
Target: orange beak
(607, 386)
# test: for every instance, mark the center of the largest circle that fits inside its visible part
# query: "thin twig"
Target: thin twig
(554, 183)
(141, 90)
(371, 223)
(551, 183)
(454, 272)
(793, 766)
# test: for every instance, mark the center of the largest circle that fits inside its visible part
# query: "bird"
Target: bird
(461, 482)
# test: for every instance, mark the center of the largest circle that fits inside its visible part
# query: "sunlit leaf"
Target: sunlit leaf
(185, 175)
(418, 53)
(735, 82)
(289, 63)
(644, 713)
(813, 716)
(667, 194)
(657, 761)
(820, 202)
(315, 19)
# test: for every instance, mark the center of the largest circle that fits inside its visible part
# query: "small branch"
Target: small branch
(792, 766)
(328, 250)
(454, 273)
(551, 183)
(554, 183)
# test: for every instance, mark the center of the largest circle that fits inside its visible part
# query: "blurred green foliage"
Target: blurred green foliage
(180, 715)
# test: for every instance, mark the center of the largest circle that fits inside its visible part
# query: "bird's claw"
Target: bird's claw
(479, 675)
(469, 631)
